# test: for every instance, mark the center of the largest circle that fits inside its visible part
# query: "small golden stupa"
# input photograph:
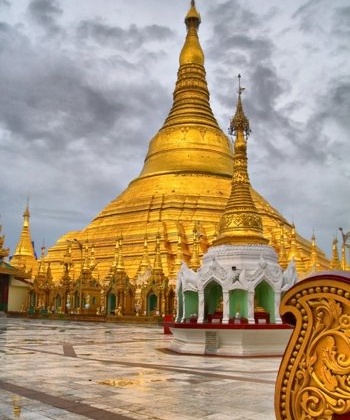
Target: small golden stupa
(171, 212)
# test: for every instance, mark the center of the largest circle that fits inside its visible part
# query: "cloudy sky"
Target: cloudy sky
(85, 84)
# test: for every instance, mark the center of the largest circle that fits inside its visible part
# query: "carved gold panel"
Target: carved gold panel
(314, 376)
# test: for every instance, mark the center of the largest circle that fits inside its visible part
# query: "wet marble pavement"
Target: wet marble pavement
(74, 370)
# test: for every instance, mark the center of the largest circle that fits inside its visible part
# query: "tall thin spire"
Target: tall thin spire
(241, 222)
(195, 260)
(157, 265)
(24, 255)
(294, 252)
(120, 262)
(179, 258)
(313, 263)
(4, 252)
(145, 260)
(282, 255)
(335, 262)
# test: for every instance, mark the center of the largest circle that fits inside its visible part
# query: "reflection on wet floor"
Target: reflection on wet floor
(16, 406)
(75, 371)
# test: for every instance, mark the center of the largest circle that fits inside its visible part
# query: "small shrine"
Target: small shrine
(230, 305)
(235, 284)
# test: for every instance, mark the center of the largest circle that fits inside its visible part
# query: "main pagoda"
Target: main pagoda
(171, 212)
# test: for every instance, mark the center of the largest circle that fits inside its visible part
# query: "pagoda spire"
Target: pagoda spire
(157, 266)
(145, 260)
(24, 255)
(86, 265)
(335, 262)
(294, 253)
(120, 261)
(313, 257)
(195, 260)
(4, 252)
(282, 254)
(42, 270)
(179, 257)
(241, 222)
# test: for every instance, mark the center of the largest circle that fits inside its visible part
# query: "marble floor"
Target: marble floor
(74, 371)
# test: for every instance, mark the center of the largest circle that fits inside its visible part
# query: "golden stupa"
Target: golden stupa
(171, 212)
(182, 189)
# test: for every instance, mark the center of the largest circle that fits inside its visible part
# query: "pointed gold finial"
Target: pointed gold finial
(192, 52)
(193, 17)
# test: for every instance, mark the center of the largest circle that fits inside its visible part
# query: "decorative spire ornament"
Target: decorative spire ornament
(241, 222)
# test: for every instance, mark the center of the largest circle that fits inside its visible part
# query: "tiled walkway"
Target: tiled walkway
(70, 371)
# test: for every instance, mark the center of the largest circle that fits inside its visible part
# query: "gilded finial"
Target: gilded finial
(240, 89)
(239, 122)
(193, 17)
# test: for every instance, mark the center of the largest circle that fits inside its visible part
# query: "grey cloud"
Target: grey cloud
(280, 138)
(321, 17)
(341, 22)
(132, 38)
(233, 17)
(46, 13)
(306, 15)
(62, 115)
(5, 3)
(50, 100)
(333, 107)
(339, 104)
(251, 54)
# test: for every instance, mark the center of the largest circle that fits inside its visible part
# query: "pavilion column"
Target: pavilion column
(200, 307)
(183, 319)
(251, 319)
(278, 319)
(226, 307)
(178, 316)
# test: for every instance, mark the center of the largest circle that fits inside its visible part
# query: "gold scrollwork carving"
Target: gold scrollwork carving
(314, 376)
